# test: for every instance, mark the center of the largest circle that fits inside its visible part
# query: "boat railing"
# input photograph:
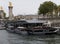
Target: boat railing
(10, 26)
(21, 27)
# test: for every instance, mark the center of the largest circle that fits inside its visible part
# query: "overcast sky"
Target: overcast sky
(24, 6)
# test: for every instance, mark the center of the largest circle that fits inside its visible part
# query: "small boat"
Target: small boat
(2, 26)
(20, 30)
(10, 29)
(10, 26)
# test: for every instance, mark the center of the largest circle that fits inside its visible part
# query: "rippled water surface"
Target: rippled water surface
(10, 38)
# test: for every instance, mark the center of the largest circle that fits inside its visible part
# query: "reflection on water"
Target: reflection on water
(10, 38)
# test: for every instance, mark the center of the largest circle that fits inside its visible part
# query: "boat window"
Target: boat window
(51, 30)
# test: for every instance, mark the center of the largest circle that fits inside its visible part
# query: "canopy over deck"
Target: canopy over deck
(36, 21)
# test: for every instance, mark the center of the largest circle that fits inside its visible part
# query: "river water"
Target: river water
(11, 38)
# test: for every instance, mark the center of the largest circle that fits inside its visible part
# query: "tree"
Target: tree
(59, 9)
(46, 7)
(4, 15)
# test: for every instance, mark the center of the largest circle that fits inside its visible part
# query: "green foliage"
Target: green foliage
(46, 7)
(59, 8)
(4, 15)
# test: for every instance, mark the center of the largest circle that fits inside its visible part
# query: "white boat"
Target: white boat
(20, 30)
(10, 29)
(31, 27)
(36, 27)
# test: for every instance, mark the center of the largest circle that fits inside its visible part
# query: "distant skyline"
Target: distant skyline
(24, 6)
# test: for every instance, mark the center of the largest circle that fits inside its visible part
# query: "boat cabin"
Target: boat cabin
(34, 23)
(28, 23)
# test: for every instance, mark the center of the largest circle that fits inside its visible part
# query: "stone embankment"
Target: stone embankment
(55, 21)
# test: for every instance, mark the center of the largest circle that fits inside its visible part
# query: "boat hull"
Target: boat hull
(29, 32)
(10, 30)
(20, 32)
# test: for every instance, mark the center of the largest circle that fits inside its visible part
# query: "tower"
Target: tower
(10, 11)
(1, 13)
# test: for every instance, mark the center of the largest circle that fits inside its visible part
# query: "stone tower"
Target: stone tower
(1, 13)
(10, 11)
